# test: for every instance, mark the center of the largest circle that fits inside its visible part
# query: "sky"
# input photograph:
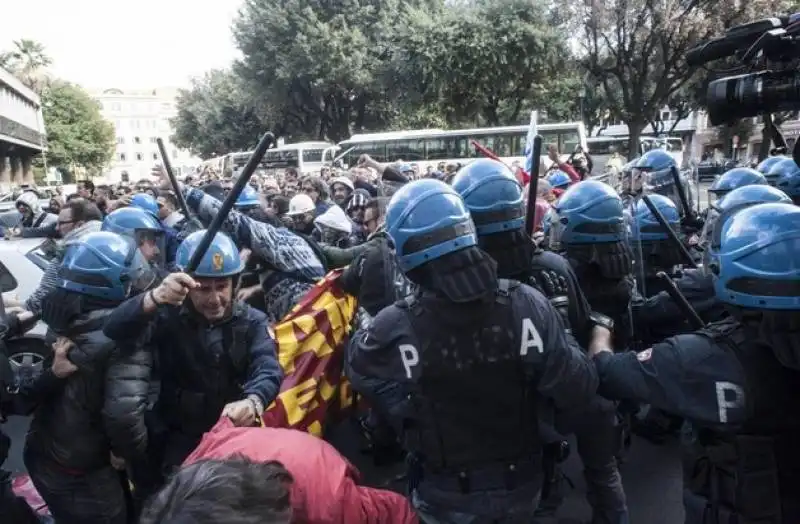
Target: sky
(125, 44)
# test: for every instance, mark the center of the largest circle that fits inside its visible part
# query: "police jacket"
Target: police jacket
(99, 408)
(725, 378)
(202, 367)
(660, 315)
(476, 371)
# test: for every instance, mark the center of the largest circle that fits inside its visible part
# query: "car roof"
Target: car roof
(21, 245)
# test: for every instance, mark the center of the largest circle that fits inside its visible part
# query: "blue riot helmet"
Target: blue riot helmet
(781, 168)
(559, 179)
(493, 196)
(248, 199)
(788, 179)
(105, 265)
(768, 162)
(733, 179)
(656, 170)
(221, 259)
(146, 202)
(427, 219)
(646, 227)
(589, 212)
(757, 264)
(722, 210)
(141, 227)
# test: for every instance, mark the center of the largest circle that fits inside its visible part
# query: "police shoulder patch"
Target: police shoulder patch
(644, 355)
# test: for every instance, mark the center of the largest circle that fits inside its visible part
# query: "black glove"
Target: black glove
(550, 283)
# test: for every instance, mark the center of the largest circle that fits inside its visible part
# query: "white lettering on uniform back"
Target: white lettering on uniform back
(410, 357)
(530, 338)
(723, 403)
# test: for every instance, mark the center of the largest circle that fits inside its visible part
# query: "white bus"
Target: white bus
(431, 147)
(306, 157)
(600, 148)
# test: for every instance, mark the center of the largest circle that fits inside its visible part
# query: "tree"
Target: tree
(77, 134)
(320, 61)
(215, 116)
(487, 62)
(26, 61)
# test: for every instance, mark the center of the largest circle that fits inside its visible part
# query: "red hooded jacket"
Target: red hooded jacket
(325, 489)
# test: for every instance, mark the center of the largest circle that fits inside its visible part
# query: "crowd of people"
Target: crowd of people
(479, 346)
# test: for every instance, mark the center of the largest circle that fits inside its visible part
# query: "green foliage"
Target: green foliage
(26, 61)
(77, 134)
(215, 116)
(487, 62)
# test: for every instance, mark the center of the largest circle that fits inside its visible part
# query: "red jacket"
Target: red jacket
(325, 489)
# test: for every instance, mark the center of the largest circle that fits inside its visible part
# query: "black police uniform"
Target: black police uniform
(476, 373)
(743, 465)
(660, 317)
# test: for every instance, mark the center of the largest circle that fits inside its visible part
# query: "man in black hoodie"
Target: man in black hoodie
(92, 396)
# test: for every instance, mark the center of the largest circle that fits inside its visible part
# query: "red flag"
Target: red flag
(311, 343)
(485, 151)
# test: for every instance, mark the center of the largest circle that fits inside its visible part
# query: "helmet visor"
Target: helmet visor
(556, 232)
(142, 275)
(152, 245)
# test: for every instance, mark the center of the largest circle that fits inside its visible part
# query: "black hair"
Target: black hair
(82, 210)
(235, 490)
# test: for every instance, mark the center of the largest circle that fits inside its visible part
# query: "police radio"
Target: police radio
(772, 44)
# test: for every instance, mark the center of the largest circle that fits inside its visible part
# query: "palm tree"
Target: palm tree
(26, 62)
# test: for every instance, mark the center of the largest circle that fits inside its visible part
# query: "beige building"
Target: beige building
(139, 118)
(22, 134)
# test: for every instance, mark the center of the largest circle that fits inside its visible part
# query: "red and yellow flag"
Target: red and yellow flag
(311, 351)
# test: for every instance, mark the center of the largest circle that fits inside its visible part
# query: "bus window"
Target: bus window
(502, 145)
(377, 150)
(406, 150)
(520, 143)
(463, 148)
(312, 155)
(439, 148)
(568, 141)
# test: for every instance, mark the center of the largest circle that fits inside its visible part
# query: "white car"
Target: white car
(22, 264)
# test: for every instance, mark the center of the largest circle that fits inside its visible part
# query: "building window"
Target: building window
(665, 115)
(137, 140)
(120, 140)
(174, 153)
(155, 156)
(153, 140)
(122, 157)
(139, 157)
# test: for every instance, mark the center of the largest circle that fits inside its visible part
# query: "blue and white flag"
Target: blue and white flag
(533, 130)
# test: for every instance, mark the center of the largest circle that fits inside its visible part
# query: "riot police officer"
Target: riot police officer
(785, 175)
(559, 180)
(652, 246)
(733, 179)
(215, 355)
(141, 227)
(588, 226)
(91, 396)
(735, 380)
(476, 353)
(778, 168)
(149, 204)
(656, 172)
(495, 201)
(659, 316)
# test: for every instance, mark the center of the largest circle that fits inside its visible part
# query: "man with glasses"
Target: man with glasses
(77, 219)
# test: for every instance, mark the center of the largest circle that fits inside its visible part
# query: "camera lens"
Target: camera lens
(734, 97)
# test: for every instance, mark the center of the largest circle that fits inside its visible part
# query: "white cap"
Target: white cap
(344, 181)
(335, 218)
(300, 204)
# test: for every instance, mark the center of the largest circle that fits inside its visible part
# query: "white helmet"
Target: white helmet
(300, 204)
